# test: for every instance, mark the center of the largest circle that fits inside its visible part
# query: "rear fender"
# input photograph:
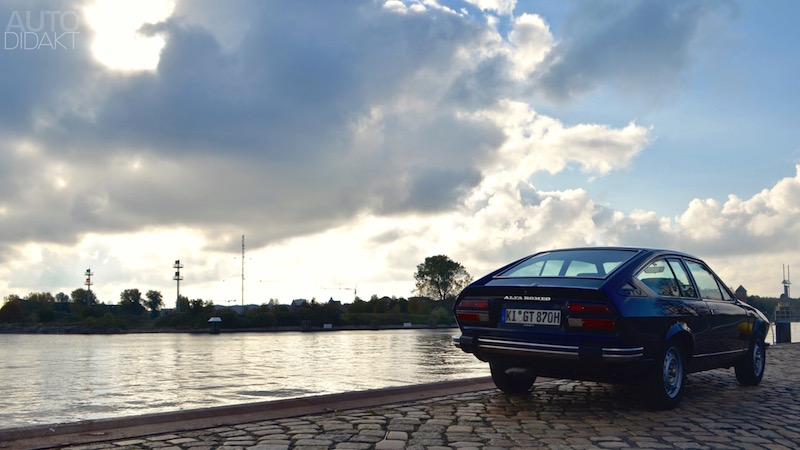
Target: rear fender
(683, 334)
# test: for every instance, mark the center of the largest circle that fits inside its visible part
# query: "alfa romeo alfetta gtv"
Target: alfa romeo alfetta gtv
(618, 315)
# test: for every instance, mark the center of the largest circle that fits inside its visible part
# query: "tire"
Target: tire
(511, 382)
(664, 384)
(750, 369)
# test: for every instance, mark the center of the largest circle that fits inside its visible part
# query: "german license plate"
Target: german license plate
(532, 316)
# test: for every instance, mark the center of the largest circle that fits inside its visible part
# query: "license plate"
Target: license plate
(532, 316)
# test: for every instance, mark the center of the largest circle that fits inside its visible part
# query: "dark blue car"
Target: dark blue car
(610, 314)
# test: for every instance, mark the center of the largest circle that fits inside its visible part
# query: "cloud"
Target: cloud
(291, 127)
(540, 143)
(258, 136)
(531, 41)
(54, 49)
(340, 133)
(503, 7)
(764, 223)
(640, 47)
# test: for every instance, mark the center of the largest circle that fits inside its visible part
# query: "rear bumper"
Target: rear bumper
(483, 345)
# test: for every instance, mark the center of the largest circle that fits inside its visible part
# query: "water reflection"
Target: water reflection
(65, 378)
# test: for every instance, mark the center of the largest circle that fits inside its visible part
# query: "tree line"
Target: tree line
(144, 312)
(438, 281)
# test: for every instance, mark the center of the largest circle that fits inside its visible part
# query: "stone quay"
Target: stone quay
(715, 413)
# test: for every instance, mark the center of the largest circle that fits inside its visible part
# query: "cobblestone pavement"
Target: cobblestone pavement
(715, 413)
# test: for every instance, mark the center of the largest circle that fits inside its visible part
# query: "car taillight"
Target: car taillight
(472, 303)
(597, 316)
(473, 310)
(588, 308)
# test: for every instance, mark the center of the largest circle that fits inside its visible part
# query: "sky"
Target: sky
(347, 141)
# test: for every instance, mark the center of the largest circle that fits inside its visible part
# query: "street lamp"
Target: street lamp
(178, 266)
(89, 284)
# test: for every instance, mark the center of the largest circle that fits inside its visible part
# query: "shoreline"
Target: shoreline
(103, 430)
(101, 330)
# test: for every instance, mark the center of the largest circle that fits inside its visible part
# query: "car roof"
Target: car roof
(650, 250)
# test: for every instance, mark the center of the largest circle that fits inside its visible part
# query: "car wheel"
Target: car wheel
(664, 384)
(750, 369)
(511, 382)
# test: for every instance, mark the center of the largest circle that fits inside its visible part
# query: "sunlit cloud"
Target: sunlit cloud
(353, 141)
(119, 42)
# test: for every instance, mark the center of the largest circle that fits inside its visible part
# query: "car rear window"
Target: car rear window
(583, 263)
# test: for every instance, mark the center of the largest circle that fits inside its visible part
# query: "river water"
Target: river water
(49, 379)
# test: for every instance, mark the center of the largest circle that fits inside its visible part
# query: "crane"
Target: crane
(354, 289)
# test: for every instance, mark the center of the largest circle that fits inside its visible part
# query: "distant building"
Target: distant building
(741, 293)
(297, 303)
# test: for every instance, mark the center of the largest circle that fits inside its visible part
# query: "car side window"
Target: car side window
(659, 278)
(685, 285)
(706, 282)
(581, 268)
(725, 295)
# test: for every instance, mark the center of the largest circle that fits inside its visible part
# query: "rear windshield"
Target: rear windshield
(585, 263)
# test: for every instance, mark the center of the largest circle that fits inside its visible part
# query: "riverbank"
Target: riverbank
(85, 432)
(89, 329)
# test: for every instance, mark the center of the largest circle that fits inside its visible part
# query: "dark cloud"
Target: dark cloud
(640, 45)
(255, 134)
(430, 189)
(44, 53)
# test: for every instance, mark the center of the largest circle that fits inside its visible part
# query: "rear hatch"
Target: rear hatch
(542, 310)
(556, 294)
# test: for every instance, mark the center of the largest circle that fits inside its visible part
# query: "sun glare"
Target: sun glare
(118, 44)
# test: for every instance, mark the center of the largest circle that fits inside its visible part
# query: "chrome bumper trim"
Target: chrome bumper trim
(623, 353)
(530, 347)
(553, 350)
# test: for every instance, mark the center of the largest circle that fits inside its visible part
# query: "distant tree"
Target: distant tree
(286, 316)
(83, 297)
(196, 305)
(418, 305)
(358, 306)
(130, 302)
(11, 298)
(183, 303)
(40, 306)
(40, 298)
(398, 305)
(62, 298)
(46, 315)
(326, 313)
(379, 305)
(262, 317)
(12, 311)
(154, 302)
(439, 277)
